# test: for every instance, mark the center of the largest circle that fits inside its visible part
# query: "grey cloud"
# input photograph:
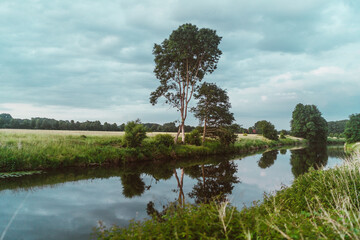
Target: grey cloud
(98, 55)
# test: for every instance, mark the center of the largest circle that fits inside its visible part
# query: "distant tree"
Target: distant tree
(135, 133)
(308, 123)
(267, 129)
(182, 61)
(107, 126)
(169, 127)
(336, 127)
(5, 120)
(282, 134)
(251, 130)
(122, 127)
(213, 107)
(352, 130)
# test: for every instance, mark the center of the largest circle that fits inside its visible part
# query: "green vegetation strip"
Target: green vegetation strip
(321, 204)
(25, 152)
(18, 174)
(352, 147)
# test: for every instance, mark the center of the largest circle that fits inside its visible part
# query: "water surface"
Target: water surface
(67, 204)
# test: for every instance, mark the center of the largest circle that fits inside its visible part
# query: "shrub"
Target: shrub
(193, 138)
(135, 133)
(164, 139)
(245, 134)
(226, 136)
(282, 134)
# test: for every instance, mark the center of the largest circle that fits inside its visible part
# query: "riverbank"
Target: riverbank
(320, 204)
(22, 150)
(352, 147)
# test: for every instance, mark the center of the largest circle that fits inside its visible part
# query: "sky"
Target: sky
(92, 60)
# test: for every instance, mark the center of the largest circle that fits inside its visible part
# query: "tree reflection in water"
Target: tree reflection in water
(268, 158)
(215, 182)
(313, 156)
(133, 185)
(283, 151)
(180, 183)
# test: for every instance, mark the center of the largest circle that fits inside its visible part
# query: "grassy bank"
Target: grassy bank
(321, 204)
(23, 150)
(352, 147)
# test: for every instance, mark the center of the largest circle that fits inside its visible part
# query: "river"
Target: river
(67, 204)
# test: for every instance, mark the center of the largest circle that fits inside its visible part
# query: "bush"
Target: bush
(164, 139)
(135, 133)
(226, 136)
(282, 134)
(193, 138)
(245, 134)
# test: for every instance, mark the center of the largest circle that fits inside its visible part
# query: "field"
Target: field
(44, 149)
(108, 133)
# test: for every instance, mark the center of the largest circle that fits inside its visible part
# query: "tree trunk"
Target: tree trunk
(183, 132)
(180, 185)
(177, 135)
(204, 132)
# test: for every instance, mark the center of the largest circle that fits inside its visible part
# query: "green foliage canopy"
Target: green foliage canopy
(267, 129)
(135, 133)
(213, 106)
(337, 127)
(308, 123)
(181, 62)
(352, 130)
(213, 110)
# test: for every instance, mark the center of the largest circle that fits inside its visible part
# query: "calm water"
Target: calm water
(68, 204)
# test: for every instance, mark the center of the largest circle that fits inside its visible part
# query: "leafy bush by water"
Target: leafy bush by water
(193, 138)
(164, 139)
(135, 133)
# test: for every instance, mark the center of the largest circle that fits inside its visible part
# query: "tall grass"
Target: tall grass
(31, 151)
(322, 204)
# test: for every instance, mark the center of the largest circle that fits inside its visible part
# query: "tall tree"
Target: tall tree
(308, 123)
(213, 107)
(267, 129)
(352, 130)
(181, 62)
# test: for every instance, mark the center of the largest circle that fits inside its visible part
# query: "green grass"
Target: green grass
(352, 147)
(30, 151)
(321, 204)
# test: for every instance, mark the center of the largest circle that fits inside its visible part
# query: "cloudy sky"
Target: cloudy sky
(92, 60)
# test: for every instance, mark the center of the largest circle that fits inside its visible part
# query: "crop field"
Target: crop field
(73, 133)
(109, 133)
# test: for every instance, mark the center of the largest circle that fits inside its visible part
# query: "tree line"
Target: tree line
(7, 121)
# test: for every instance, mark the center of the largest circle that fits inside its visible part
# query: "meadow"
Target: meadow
(51, 149)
